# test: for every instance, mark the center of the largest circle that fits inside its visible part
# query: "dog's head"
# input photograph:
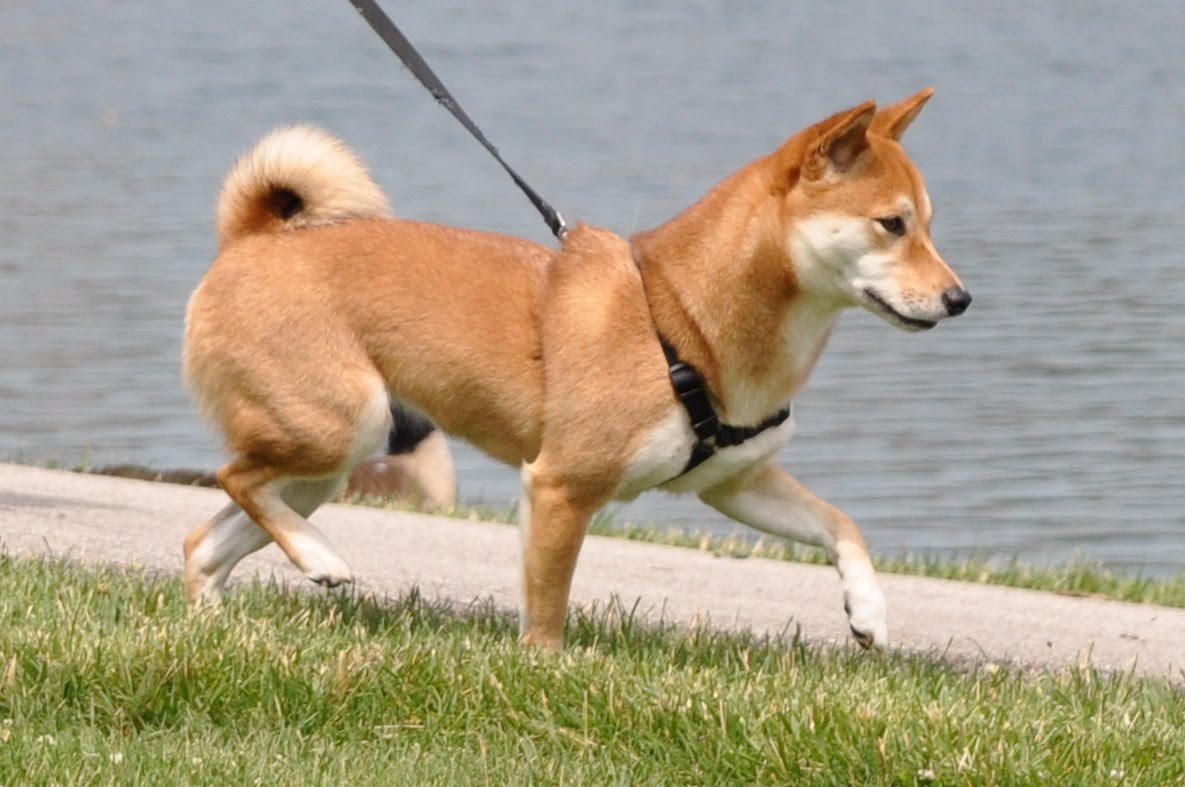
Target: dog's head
(857, 218)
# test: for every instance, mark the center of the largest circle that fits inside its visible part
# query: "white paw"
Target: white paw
(204, 592)
(203, 587)
(322, 564)
(330, 575)
(865, 606)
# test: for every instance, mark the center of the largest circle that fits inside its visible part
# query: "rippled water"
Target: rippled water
(1047, 421)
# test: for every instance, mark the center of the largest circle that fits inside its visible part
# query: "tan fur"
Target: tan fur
(290, 162)
(549, 360)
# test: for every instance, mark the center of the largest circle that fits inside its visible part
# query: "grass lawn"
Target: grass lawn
(105, 679)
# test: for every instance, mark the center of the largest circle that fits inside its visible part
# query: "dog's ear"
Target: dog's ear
(839, 140)
(892, 121)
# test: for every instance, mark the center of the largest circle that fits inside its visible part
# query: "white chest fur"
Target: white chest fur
(664, 453)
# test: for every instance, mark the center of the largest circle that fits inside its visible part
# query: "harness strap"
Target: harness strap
(710, 433)
(735, 435)
(693, 393)
(690, 389)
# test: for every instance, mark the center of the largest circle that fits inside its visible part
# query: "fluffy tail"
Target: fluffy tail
(298, 176)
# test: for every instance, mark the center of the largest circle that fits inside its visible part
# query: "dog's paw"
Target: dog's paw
(320, 562)
(326, 568)
(866, 617)
(871, 639)
(203, 592)
(204, 588)
(330, 577)
(863, 599)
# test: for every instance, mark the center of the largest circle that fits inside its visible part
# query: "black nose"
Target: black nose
(956, 300)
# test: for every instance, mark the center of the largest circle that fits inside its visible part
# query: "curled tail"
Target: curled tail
(297, 176)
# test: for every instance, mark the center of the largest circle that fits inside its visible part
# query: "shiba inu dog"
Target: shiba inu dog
(585, 366)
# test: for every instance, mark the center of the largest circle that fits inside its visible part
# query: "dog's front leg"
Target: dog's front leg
(768, 498)
(553, 520)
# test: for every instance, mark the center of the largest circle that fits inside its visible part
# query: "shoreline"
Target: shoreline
(1074, 577)
(102, 519)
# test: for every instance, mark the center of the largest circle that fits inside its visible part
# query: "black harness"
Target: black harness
(710, 433)
(689, 386)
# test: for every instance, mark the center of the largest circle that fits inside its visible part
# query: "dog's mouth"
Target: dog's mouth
(892, 315)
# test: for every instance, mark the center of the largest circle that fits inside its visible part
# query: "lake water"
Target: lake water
(1048, 421)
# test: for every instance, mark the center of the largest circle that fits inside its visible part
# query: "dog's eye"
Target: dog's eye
(894, 224)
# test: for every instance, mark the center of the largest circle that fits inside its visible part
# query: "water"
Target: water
(1048, 421)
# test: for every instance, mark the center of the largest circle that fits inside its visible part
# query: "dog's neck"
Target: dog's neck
(721, 289)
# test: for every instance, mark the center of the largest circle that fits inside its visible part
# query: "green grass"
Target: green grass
(105, 679)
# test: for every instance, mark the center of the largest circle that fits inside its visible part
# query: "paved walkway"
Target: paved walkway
(99, 519)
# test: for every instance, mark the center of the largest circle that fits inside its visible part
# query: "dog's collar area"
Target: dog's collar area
(693, 393)
(710, 433)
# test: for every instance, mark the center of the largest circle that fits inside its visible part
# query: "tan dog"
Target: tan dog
(319, 310)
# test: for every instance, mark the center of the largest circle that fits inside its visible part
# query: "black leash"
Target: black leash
(391, 35)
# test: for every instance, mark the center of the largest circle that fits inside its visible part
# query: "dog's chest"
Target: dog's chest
(660, 460)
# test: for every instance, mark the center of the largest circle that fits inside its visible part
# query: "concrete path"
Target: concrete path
(99, 519)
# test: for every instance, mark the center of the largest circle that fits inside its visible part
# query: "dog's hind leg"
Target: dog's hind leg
(216, 547)
(287, 463)
(258, 491)
(213, 549)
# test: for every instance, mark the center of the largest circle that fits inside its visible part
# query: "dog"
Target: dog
(583, 366)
